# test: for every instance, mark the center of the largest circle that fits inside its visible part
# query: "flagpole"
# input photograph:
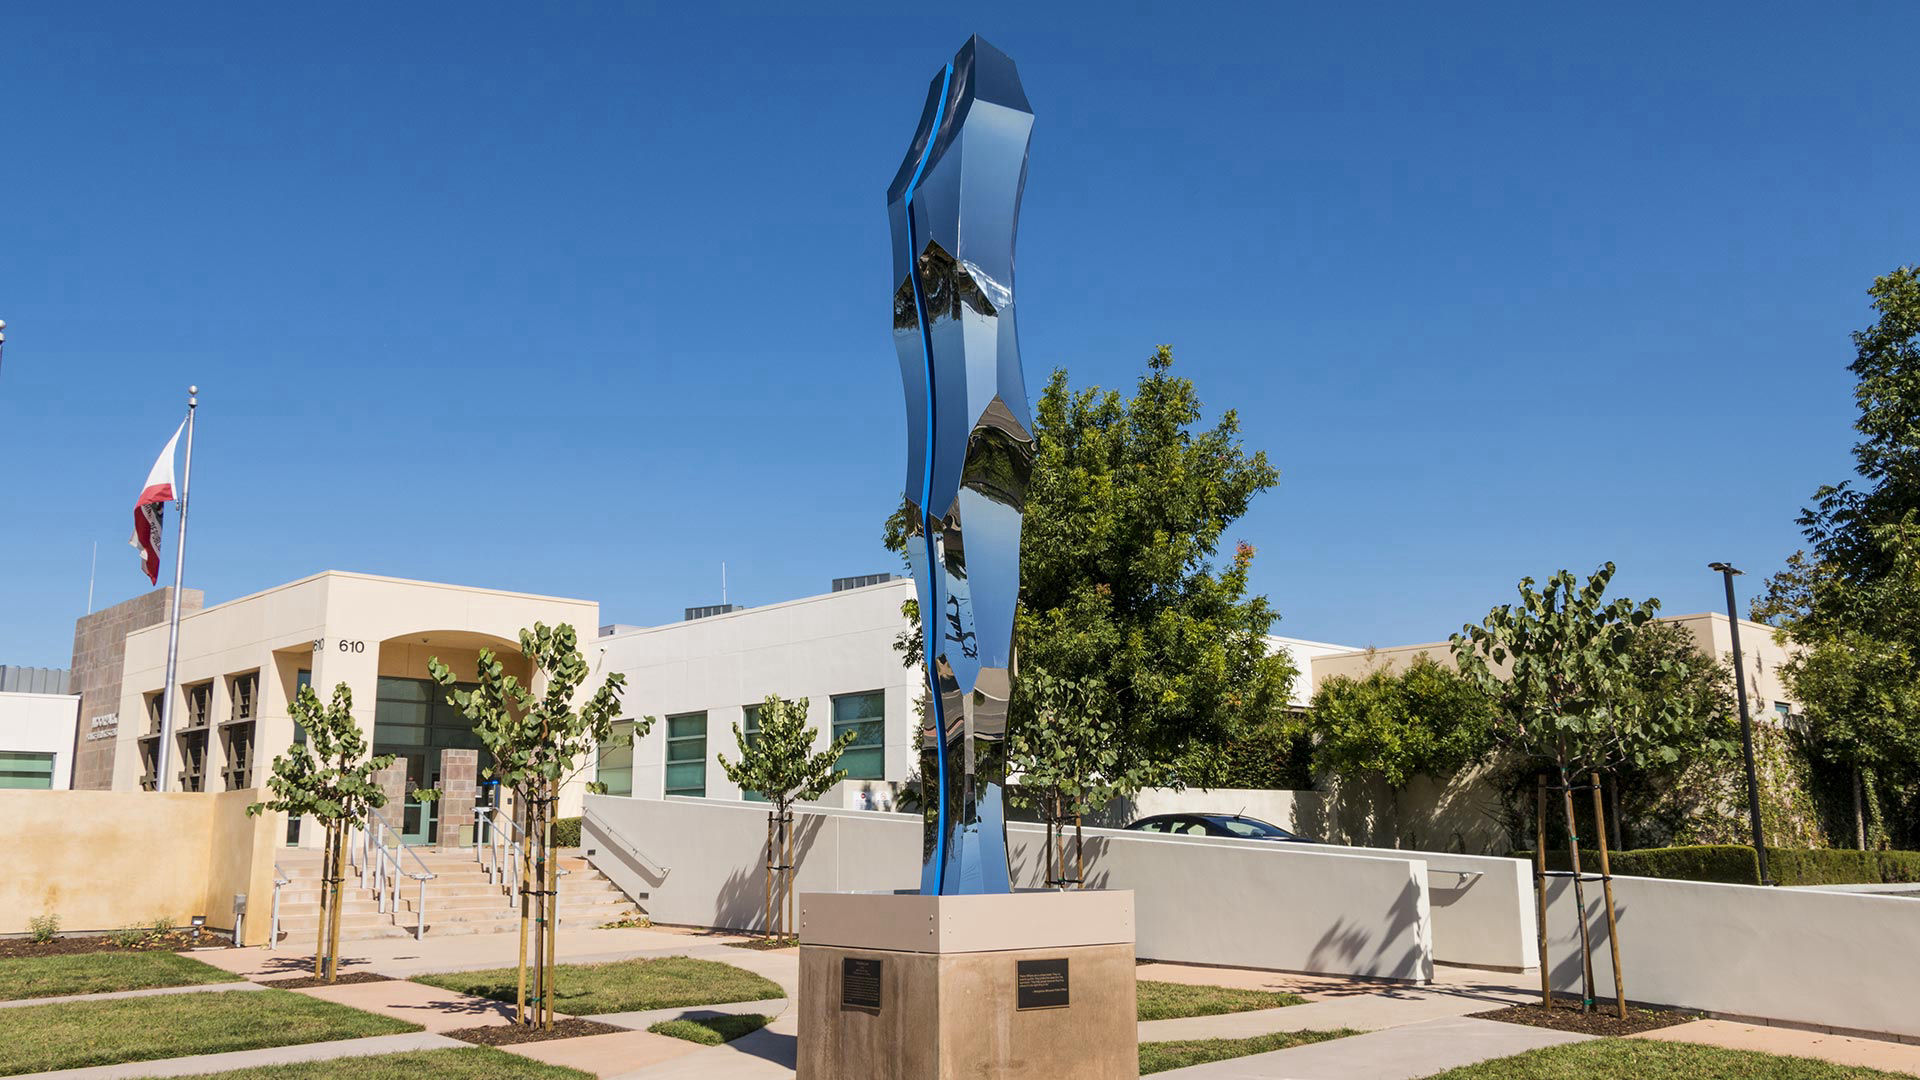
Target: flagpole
(164, 752)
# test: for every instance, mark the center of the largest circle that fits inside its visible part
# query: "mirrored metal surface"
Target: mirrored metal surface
(954, 208)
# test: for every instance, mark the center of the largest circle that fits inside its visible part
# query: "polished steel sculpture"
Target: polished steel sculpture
(955, 207)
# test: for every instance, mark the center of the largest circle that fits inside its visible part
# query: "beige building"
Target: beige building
(243, 661)
(1763, 656)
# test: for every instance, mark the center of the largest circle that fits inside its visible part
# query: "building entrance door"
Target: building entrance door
(419, 818)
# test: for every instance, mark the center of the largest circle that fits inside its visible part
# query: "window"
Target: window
(243, 691)
(1782, 711)
(750, 734)
(413, 713)
(22, 769)
(615, 767)
(199, 705)
(866, 716)
(687, 754)
(237, 741)
(155, 706)
(150, 742)
(193, 760)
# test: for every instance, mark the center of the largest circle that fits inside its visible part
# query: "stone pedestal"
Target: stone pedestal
(459, 775)
(910, 987)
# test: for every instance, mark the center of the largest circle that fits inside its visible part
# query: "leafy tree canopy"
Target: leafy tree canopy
(1067, 757)
(1120, 594)
(1396, 724)
(329, 777)
(778, 761)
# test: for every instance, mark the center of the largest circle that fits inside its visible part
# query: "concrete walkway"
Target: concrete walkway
(1794, 1042)
(119, 995)
(1406, 1052)
(247, 1059)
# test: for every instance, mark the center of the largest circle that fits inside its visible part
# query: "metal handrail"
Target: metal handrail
(279, 878)
(503, 848)
(632, 848)
(382, 864)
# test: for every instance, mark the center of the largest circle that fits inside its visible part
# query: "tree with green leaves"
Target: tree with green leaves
(331, 779)
(778, 763)
(1066, 764)
(538, 740)
(1120, 592)
(1560, 671)
(1396, 724)
(1848, 601)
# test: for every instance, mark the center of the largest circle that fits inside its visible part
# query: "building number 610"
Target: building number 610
(353, 646)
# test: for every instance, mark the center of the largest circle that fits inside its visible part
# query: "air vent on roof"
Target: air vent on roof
(842, 584)
(710, 610)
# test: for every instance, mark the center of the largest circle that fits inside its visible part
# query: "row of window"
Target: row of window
(191, 734)
(25, 769)
(862, 714)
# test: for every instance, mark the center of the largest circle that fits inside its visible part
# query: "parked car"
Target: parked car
(1231, 826)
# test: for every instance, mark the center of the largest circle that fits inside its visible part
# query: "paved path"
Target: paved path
(116, 995)
(1398, 1053)
(247, 1059)
(1794, 1042)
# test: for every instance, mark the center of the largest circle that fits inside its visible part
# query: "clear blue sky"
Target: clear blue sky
(584, 300)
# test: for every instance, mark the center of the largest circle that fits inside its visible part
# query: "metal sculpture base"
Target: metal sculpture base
(900, 986)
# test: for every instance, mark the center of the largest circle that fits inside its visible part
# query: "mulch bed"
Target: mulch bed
(307, 982)
(173, 941)
(765, 944)
(1603, 1020)
(511, 1034)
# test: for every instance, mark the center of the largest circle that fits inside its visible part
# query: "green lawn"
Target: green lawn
(467, 1063)
(101, 973)
(667, 982)
(712, 1030)
(37, 1038)
(1646, 1059)
(1161, 1056)
(1170, 1000)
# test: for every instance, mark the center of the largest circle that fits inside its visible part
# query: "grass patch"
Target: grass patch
(466, 1063)
(1161, 1056)
(667, 982)
(1646, 1059)
(72, 1035)
(1172, 1000)
(712, 1030)
(101, 973)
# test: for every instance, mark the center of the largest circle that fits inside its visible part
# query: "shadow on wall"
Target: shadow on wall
(741, 900)
(1345, 943)
(1564, 959)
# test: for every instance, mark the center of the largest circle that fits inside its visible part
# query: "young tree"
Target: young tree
(538, 741)
(778, 763)
(1129, 501)
(1068, 763)
(330, 778)
(1559, 669)
(1427, 719)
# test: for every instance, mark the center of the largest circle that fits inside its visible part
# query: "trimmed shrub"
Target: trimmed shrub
(566, 832)
(1840, 866)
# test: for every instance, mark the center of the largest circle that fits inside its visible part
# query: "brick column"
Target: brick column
(393, 781)
(459, 778)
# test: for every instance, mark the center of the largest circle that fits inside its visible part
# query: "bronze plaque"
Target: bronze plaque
(860, 982)
(1042, 984)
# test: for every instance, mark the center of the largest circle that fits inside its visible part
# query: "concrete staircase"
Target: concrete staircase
(459, 899)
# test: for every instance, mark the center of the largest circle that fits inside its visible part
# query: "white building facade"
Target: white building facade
(36, 740)
(700, 678)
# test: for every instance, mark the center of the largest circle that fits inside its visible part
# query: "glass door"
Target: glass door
(419, 820)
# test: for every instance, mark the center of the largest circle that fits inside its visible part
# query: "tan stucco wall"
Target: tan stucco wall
(389, 626)
(101, 860)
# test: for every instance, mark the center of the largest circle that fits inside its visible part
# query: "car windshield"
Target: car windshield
(1246, 826)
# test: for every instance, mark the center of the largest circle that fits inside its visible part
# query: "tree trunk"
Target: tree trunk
(524, 812)
(1606, 887)
(767, 926)
(786, 827)
(547, 987)
(1619, 830)
(1859, 812)
(1540, 885)
(1579, 893)
(320, 938)
(339, 876)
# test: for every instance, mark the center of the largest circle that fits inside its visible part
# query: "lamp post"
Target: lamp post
(1746, 723)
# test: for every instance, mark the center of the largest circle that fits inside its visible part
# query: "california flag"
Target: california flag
(146, 510)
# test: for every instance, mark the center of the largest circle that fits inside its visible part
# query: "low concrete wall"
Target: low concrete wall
(101, 860)
(1799, 956)
(1286, 907)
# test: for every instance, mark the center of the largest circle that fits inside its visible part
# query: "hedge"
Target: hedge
(1735, 864)
(566, 832)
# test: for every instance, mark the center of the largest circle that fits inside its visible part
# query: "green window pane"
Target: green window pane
(865, 732)
(617, 752)
(687, 779)
(687, 749)
(20, 769)
(399, 735)
(397, 689)
(752, 796)
(868, 706)
(618, 781)
(864, 764)
(687, 724)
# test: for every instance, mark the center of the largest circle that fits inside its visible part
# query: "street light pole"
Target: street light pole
(1746, 723)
